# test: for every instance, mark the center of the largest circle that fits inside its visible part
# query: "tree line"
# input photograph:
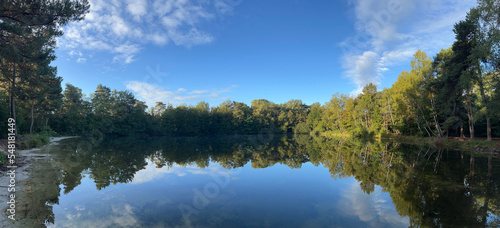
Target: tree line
(119, 113)
(455, 93)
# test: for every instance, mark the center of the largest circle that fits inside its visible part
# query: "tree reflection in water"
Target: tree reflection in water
(433, 187)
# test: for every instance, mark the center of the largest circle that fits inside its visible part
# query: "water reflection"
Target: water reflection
(242, 181)
(376, 208)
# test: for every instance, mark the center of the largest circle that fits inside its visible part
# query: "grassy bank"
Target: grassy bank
(29, 141)
(453, 143)
(24, 142)
(333, 134)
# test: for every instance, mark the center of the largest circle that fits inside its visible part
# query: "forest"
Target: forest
(456, 93)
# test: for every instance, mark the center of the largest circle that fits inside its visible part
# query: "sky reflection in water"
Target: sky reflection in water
(287, 182)
(274, 196)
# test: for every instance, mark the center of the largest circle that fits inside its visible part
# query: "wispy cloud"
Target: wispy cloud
(151, 172)
(198, 92)
(119, 215)
(81, 60)
(74, 53)
(151, 93)
(375, 209)
(389, 32)
(123, 28)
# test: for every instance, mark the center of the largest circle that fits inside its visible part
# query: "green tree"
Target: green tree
(265, 113)
(486, 50)
(168, 121)
(29, 29)
(413, 103)
(158, 109)
(465, 67)
(42, 90)
(202, 113)
(73, 116)
(292, 113)
(314, 117)
(102, 102)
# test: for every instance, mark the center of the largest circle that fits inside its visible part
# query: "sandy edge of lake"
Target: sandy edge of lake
(24, 159)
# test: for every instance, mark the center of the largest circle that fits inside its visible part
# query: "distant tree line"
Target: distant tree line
(119, 113)
(456, 93)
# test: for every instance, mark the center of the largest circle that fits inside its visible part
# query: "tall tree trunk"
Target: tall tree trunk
(339, 121)
(366, 120)
(32, 119)
(12, 95)
(390, 111)
(436, 123)
(427, 125)
(487, 114)
(470, 115)
(488, 126)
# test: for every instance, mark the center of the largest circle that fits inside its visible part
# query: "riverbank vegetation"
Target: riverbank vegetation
(453, 94)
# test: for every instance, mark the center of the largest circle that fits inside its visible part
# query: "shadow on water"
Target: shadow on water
(432, 187)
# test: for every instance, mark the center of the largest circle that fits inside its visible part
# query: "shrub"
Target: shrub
(302, 128)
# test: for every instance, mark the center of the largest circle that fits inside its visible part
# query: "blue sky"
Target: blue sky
(185, 51)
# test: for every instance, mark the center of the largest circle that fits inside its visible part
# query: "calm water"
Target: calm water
(250, 181)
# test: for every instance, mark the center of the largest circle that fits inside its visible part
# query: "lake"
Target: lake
(258, 181)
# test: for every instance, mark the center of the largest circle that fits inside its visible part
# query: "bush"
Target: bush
(47, 131)
(302, 128)
(36, 142)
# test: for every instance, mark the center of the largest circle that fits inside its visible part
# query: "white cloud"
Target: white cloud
(389, 32)
(151, 172)
(151, 94)
(120, 215)
(193, 37)
(364, 68)
(376, 209)
(137, 8)
(159, 39)
(74, 53)
(81, 60)
(119, 26)
(226, 7)
(125, 52)
(199, 92)
(134, 23)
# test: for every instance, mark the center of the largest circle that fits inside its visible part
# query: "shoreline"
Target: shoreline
(24, 160)
(479, 145)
